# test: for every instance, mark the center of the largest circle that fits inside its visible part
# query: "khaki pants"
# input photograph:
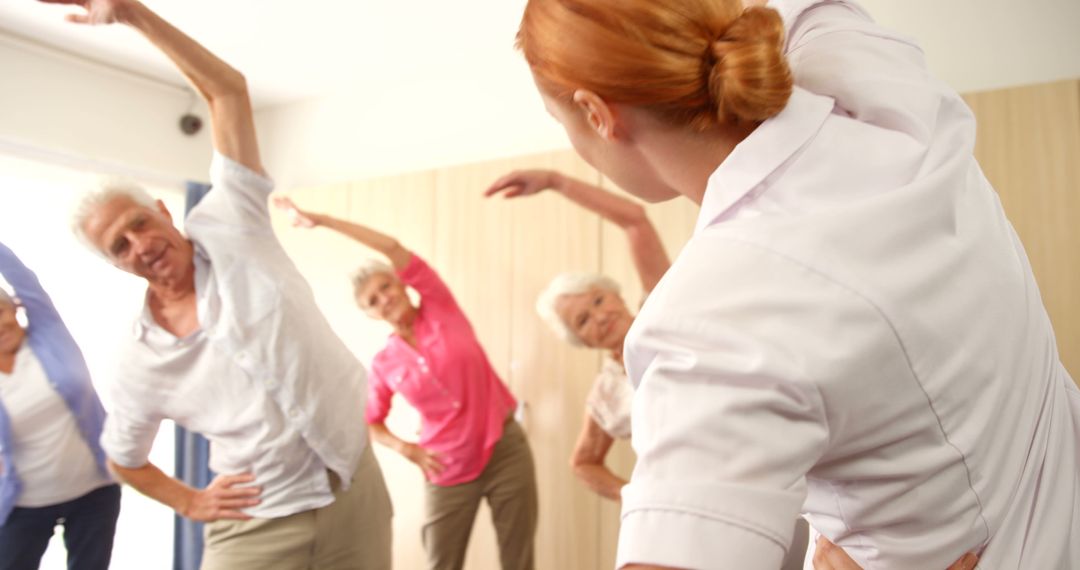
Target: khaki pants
(509, 485)
(352, 533)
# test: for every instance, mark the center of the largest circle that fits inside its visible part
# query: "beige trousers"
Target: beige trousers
(509, 485)
(352, 533)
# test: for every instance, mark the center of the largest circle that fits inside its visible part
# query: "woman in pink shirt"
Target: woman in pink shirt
(470, 447)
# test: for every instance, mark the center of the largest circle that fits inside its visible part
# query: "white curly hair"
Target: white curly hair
(91, 200)
(368, 269)
(569, 283)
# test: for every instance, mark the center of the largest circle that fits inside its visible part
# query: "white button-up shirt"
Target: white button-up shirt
(852, 332)
(265, 379)
(610, 399)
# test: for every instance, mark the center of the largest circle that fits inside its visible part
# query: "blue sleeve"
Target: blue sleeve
(39, 307)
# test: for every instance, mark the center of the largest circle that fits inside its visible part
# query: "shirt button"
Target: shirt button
(294, 413)
(457, 404)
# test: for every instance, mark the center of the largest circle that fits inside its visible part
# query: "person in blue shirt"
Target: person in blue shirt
(52, 468)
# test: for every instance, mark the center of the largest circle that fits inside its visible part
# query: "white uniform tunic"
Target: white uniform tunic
(853, 332)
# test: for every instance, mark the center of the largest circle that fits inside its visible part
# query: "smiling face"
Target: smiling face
(141, 241)
(598, 317)
(382, 296)
(11, 332)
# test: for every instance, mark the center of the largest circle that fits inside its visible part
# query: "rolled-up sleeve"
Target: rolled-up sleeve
(725, 427)
(130, 429)
(238, 197)
(379, 397)
(39, 307)
(433, 291)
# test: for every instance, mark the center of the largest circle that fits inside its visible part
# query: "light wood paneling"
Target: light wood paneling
(473, 254)
(552, 235)
(318, 254)
(674, 221)
(1029, 147)
(401, 206)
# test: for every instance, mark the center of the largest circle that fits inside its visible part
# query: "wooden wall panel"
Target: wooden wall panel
(674, 220)
(552, 235)
(473, 254)
(1029, 147)
(320, 255)
(402, 206)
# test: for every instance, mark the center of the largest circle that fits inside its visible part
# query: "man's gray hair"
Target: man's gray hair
(570, 283)
(368, 269)
(91, 200)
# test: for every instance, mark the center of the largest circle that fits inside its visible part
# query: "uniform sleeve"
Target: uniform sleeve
(130, 429)
(238, 198)
(877, 76)
(725, 424)
(379, 395)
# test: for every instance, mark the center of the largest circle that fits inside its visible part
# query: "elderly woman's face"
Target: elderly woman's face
(11, 332)
(383, 297)
(598, 317)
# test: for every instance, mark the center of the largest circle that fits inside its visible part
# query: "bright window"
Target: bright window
(98, 303)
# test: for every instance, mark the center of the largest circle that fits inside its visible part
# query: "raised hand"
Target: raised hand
(298, 217)
(96, 11)
(427, 461)
(523, 183)
(221, 499)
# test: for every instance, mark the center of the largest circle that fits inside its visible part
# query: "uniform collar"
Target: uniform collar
(771, 145)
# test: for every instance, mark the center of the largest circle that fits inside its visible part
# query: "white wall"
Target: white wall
(440, 118)
(57, 103)
(452, 115)
(978, 45)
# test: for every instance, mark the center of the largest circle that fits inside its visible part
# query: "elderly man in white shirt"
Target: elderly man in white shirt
(231, 344)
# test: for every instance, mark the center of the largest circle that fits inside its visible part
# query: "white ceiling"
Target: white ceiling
(291, 50)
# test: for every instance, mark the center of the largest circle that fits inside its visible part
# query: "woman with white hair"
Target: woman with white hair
(52, 468)
(470, 447)
(587, 309)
